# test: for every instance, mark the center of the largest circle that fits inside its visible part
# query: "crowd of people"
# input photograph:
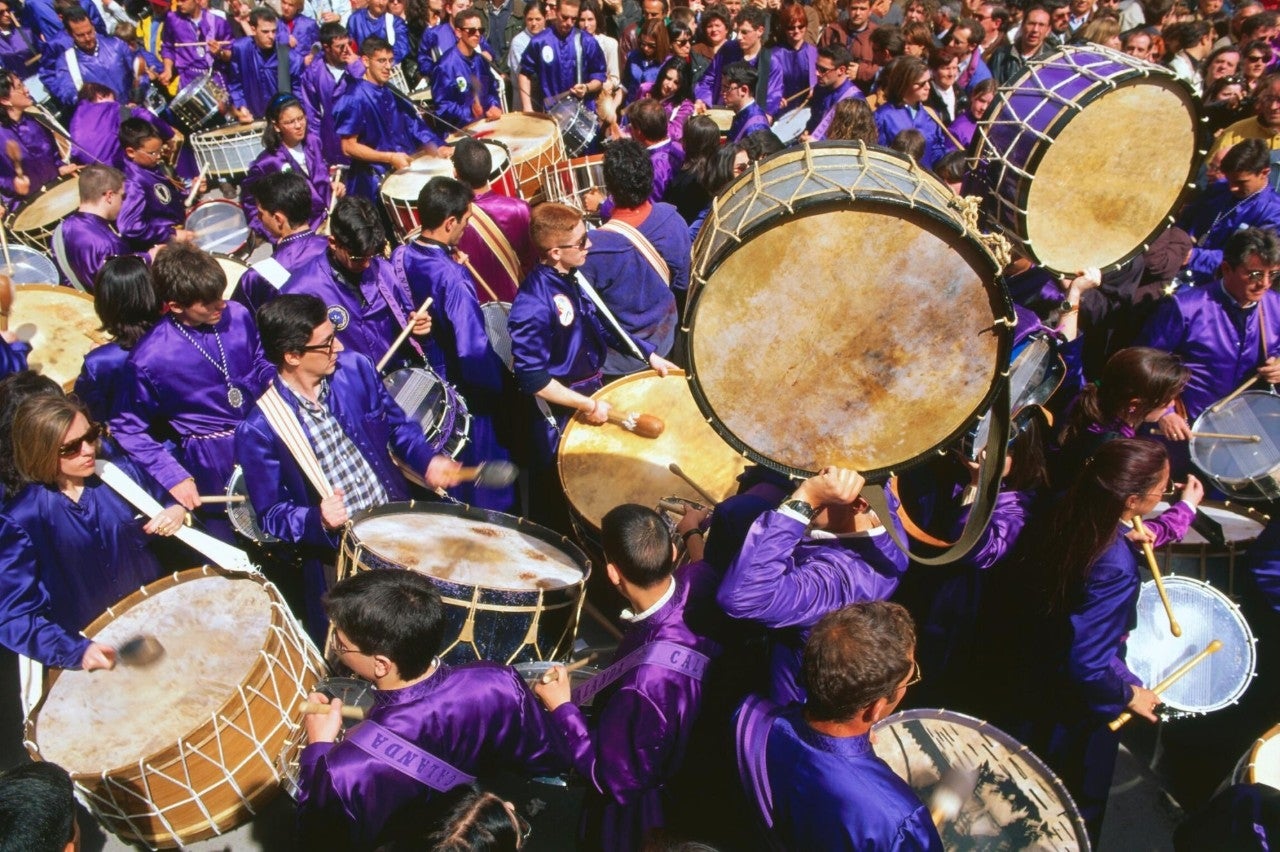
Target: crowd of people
(762, 641)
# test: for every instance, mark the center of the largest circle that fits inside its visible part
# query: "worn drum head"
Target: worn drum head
(36, 219)
(852, 331)
(233, 269)
(1264, 759)
(61, 326)
(524, 134)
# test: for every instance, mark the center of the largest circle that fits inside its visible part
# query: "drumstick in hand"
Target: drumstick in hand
(402, 337)
(1141, 529)
(1212, 648)
(222, 498)
(572, 667)
(1226, 436)
(348, 711)
(195, 187)
(675, 468)
(1248, 383)
(644, 425)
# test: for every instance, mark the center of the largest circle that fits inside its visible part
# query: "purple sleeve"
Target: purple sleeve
(24, 628)
(1205, 262)
(13, 356)
(1008, 519)
(918, 832)
(703, 90)
(1098, 626)
(278, 514)
(139, 407)
(476, 360)
(773, 94)
(322, 813)
(235, 81)
(765, 584)
(407, 441)
(1171, 525)
(530, 338)
(626, 753)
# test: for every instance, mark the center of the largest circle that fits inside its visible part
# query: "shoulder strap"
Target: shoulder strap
(491, 235)
(60, 252)
(667, 655)
(393, 750)
(287, 428)
(390, 26)
(284, 81)
(73, 68)
(642, 244)
(762, 77)
(402, 278)
(604, 309)
(272, 271)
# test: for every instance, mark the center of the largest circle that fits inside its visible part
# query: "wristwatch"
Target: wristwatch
(1067, 308)
(802, 508)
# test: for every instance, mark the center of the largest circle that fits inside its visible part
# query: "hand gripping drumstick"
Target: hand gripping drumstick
(493, 474)
(1212, 648)
(6, 289)
(195, 187)
(1141, 529)
(644, 425)
(572, 667)
(348, 711)
(403, 336)
(675, 468)
(1227, 436)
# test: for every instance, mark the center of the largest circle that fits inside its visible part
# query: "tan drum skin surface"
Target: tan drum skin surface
(33, 224)
(61, 326)
(605, 466)
(534, 142)
(722, 117)
(233, 269)
(1096, 196)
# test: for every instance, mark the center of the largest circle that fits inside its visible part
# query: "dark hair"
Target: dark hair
(90, 91)
(854, 657)
(124, 299)
(331, 32)
(1255, 24)
(397, 614)
(1149, 376)
(755, 16)
(701, 147)
(715, 12)
(1242, 245)
(637, 541)
(741, 73)
(677, 28)
(187, 275)
(135, 131)
(950, 167)
(910, 142)
(260, 14)
(286, 323)
(760, 144)
(73, 15)
(375, 44)
(284, 192)
(355, 225)
(628, 173)
(974, 26)
(275, 109)
(721, 173)
(37, 808)
(684, 81)
(442, 198)
(14, 390)
(1249, 155)
(837, 53)
(472, 162)
(469, 819)
(889, 38)
(649, 119)
(900, 75)
(1030, 469)
(7, 82)
(461, 18)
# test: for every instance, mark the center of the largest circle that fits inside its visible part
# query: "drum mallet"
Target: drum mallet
(711, 501)
(1227, 436)
(195, 188)
(141, 650)
(348, 711)
(493, 474)
(466, 261)
(222, 498)
(1141, 529)
(1212, 648)
(644, 425)
(402, 337)
(571, 667)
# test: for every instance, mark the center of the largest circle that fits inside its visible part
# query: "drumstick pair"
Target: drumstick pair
(1212, 648)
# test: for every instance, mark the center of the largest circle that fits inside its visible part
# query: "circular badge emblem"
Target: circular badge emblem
(461, 83)
(339, 317)
(548, 55)
(564, 308)
(162, 193)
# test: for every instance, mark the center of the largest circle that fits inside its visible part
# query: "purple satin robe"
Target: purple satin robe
(40, 16)
(90, 241)
(40, 158)
(377, 117)
(458, 82)
(361, 25)
(964, 128)
(475, 717)
(639, 74)
(153, 208)
(555, 332)
(100, 385)
(190, 62)
(253, 79)
(707, 89)
(553, 61)
(1216, 215)
(95, 132)
(293, 253)
(787, 581)
(16, 47)
(790, 73)
(306, 32)
(319, 92)
(746, 121)
(1262, 560)
(823, 107)
(892, 120)
(281, 160)
(511, 215)
(667, 158)
(637, 740)
(111, 65)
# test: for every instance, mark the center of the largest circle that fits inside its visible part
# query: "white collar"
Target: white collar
(627, 615)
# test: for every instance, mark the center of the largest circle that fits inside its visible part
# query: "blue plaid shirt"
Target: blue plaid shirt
(340, 459)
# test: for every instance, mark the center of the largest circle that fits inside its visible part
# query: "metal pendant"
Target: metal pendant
(234, 396)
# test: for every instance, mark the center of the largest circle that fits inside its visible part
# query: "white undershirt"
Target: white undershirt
(299, 157)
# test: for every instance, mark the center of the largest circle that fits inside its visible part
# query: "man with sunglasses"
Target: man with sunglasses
(833, 87)
(1265, 125)
(464, 88)
(809, 770)
(564, 61)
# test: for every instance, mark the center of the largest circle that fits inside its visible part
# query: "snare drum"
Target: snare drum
(1064, 189)
(722, 116)
(241, 513)
(578, 124)
(791, 124)
(29, 266)
(352, 692)
(911, 365)
(61, 326)
(199, 105)
(495, 328)
(434, 405)
(228, 152)
(1196, 558)
(35, 219)
(400, 189)
(1242, 469)
(533, 141)
(233, 268)
(604, 466)
(512, 590)
(185, 748)
(1261, 763)
(1205, 614)
(1035, 375)
(569, 182)
(219, 226)
(1018, 802)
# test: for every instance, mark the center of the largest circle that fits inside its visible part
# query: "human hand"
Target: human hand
(493, 113)
(186, 493)
(98, 656)
(1193, 491)
(1144, 703)
(21, 185)
(833, 486)
(323, 727)
(420, 323)
(180, 235)
(598, 413)
(1270, 371)
(399, 160)
(166, 523)
(333, 510)
(243, 115)
(661, 365)
(442, 472)
(69, 169)
(578, 90)
(1174, 427)
(555, 690)
(692, 518)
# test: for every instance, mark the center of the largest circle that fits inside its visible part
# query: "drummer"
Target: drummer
(379, 128)
(95, 127)
(375, 20)
(87, 238)
(462, 85)
(254, 77)
(810, 770)
(649, 127)
(1220, 330)
(29, 157)
(194, 40)
(834, 86)
(289, 145)
(497, 238)
(388, 625)
(367, 300)
(325, 82)
(284, 201)
(90, 58)
(19, 46)
(564, 61)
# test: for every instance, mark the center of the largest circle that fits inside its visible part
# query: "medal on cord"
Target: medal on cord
(234, 397)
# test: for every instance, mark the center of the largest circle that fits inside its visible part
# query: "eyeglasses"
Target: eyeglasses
(796, 28)
(682, 42)
(72, 448)
(916, 675)
(1257, 276)
(580, 244)
(1258, 58)
(343, 650)
(821, 71)
(155, 155)
(923, 84)
(326, 347)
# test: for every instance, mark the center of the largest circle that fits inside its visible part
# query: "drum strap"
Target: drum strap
(406, 758)
(60, 252)
(391, 30)
(285, 424)
(492, 236)
(284, 79)
(642, 244)
(990, 473)
(663, 654)
(73, 68)
(604, 309)
(762, 80)
(397, 266)
(751, 738)
(272, 271)
(938, 120)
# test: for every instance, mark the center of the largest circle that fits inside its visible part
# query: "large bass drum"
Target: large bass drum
(1069, 193)
(843, 310)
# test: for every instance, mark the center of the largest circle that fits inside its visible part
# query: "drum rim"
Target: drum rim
(52, 288)
(533, 153)
(1196, 426)
(1023, 751)
(827, 200)
(1232, 545)
(11, 220)
(1156, 75)
(1255, 750)
(474, 513)
(237, 132)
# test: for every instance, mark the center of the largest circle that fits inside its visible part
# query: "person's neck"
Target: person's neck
(15, 114)
(839, 730)
(392, 680)
(1031, 51)
(559, 266)
(293, 232)
(95, 209)
(465, 49)
(306, 385)
(642, 599)
(72, 486)
(751, 54)
(439, 235)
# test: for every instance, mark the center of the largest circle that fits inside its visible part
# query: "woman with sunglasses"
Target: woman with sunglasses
(792, 63)
(1255, 62)
(288, 146)
(74, 546)
(653, 46)
(907, 84)
(681, 35)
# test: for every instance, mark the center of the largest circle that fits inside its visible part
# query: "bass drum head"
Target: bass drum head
(234, 269)
(36, 219)
(1017, 803)
(60, 324)
(806, 352)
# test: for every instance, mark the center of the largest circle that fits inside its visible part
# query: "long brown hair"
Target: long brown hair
(1148, 376)
(39, 426)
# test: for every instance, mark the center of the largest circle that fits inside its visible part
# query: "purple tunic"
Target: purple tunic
(457, 82)
(707, 89)
(13, 356)
(667, 158)
(964, 128)
(306, 32)
(892, 120)
(511, 215)
(637, 741)
(253, 79)
(40, 158)
(555, 333)
(153, 207)
(110, 65)
(787, 581)
(790, 73)
(95, 132)
(281, 160)
(16, 47)
(64, 562)
(175, 394)
(1218, 214)
(190, 62)
(387, 26)
(89, 241)
(39, 15)
(747, 120)
(475, 717)
(100, 385)
(437, 41)
(554, 61)
(637, 72)
(380, 119)
(823, 108)
(259, 285)
(677, 115)
(1215, 338)
(320, 91)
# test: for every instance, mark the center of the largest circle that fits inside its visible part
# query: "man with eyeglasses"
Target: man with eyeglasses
(443, 37)
(1265, 125)
(822, 549)
(464, 88)
(1224, 331)
(963, 43)
(749, 48)
(738, 82)
(154, 209)
(367, 303)
(565, 61)
(809, 770)
(833, 87)
(325, 82)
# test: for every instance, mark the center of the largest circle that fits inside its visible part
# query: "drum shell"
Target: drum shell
(228, 152)
(198, 105)
(61, 197)
(500, 621)
(399, 193)
(151, 781)
(534, 142)
(1198, 559)
(569, 181)
(1261, 763)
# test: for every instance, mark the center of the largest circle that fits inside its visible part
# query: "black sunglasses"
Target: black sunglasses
(72, 448)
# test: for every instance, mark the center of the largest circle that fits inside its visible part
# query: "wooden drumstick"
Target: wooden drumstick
(195, 187)
(1227, 436)
(675, 506)
(1141, 529)
(6, 293)
(348, 711)
(4, 245)
(1212, 648)
(644, 425)
(222, 498)
(493, 474)
(1248, 383)
(466, 261)
(403, 336)
(675, 468)
(572, 667)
